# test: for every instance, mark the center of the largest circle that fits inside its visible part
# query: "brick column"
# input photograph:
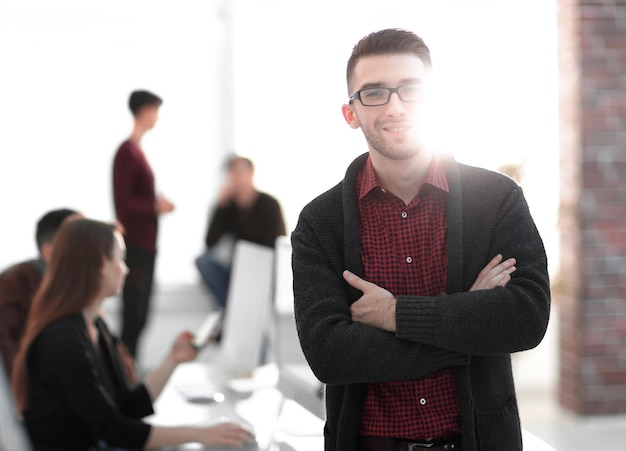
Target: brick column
(592, 286)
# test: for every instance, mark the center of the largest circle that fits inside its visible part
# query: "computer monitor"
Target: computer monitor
(248, 308)
(295, 378)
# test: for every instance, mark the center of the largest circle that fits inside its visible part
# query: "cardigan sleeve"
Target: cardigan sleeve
(338, 349)
(501, 320)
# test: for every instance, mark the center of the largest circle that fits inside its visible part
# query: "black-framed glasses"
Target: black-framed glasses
(380, 96)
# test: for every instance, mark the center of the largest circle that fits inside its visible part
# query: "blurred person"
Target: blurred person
(138, 207)
(19, 282)
(67, 381)
(415, 277)
(242, 213)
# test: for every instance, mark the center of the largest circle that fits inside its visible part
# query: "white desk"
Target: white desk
(297, 382)
(269, 403)
(199, 395)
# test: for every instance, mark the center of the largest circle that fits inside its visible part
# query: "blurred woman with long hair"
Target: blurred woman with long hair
(66, 379)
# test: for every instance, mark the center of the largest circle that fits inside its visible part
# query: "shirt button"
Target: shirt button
(404, 215)
(423, 401)
(409, 259)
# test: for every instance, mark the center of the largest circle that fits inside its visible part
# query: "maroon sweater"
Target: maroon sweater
(134, 196)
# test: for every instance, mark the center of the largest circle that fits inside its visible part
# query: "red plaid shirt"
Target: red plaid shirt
(404, 250)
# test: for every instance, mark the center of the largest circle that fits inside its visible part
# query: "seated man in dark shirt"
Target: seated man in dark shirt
(242, 213)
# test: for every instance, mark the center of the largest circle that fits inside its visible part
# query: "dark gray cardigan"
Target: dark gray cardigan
(473, 332)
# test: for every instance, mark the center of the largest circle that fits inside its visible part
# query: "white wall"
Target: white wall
(67, 70)
(67, 67)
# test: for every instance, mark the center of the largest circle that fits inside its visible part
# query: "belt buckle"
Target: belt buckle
(416, 446)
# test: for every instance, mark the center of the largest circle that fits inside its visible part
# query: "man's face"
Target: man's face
(394, 129)
(149, 115)
(241, 176)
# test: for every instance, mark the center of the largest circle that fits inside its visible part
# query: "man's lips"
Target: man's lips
(396, 128)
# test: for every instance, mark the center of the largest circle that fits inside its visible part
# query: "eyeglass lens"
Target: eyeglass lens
(380, 96)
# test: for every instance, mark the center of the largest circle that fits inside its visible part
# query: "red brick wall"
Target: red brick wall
(592, 285)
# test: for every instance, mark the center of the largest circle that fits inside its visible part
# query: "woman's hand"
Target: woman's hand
(226, 434)
(221, 434)
(182, 351)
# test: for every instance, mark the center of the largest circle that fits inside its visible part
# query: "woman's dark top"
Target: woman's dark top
(77, 394)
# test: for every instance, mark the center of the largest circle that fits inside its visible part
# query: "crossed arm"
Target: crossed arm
(377, 306)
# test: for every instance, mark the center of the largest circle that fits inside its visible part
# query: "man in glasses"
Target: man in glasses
(415, 277)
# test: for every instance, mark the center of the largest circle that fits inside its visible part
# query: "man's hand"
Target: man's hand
(377, 306)
(226, 193)
(497, 273)
(163, 205)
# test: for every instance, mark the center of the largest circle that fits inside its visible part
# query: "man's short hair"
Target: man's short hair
(140, 99)
(234, 159)
(387, 42)
(49, 223)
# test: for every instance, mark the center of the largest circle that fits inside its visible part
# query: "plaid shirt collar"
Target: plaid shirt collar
(436, 177)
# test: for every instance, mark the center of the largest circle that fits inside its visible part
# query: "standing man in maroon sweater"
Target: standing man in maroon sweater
(137, 207)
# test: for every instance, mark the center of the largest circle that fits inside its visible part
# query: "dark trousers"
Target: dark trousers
(136, 295)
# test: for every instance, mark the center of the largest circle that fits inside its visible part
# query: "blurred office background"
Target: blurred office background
(263, 78)
(533, 88)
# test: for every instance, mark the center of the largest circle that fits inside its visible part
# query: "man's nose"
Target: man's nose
(395, 103)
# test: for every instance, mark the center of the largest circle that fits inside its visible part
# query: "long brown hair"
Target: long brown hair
(72, 282)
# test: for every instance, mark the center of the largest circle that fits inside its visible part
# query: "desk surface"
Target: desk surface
(198, 394)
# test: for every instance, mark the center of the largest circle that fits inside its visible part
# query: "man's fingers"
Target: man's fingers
(502, 275)
(495, 261)
(496, 273)
(491, 267)
(507, 267)
(355, 281)
(504, 280)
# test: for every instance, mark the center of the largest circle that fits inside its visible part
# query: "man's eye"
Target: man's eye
(374, 93)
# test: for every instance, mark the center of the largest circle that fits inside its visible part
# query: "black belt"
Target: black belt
(393, 444)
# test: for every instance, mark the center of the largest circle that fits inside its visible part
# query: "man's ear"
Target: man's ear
(350, 116)
(46, 252)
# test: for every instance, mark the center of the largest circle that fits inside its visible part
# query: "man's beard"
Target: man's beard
(393, 151)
